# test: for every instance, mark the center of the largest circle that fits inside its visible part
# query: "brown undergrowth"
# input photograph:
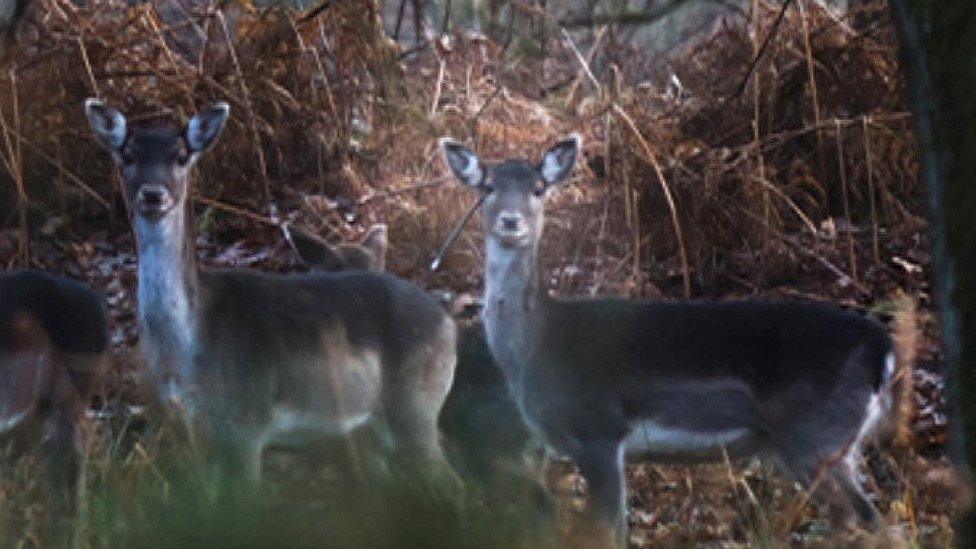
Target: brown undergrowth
(792, 175)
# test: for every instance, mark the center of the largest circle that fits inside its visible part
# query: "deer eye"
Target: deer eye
(539, 190)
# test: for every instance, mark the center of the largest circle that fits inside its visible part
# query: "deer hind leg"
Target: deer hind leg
(69, 389)
(63, 459)
(833, 469)
(413, 403)
(846, 476)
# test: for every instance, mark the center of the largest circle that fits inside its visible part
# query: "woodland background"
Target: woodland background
(731, 150)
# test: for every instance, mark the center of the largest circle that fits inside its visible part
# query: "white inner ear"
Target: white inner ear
(112, 128)
(117, 133)
(553, 165)
(107, 123)
(472, 169)
(193, 136)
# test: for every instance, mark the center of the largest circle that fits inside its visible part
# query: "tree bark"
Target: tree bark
(938, 43)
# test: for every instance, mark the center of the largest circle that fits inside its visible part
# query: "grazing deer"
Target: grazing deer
(368, 255)
(256, 359)
(598, 379)
(53, 350)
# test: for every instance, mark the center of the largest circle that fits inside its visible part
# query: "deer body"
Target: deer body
(479, 421)
(53, 349)
(601, 379)
(256, 359)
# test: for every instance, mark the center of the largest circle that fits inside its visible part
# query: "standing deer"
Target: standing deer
(480, 423)
(601, 379)
(53, 350)
(256, 358)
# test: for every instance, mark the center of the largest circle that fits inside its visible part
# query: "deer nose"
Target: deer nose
(152, 196)
(510, 222)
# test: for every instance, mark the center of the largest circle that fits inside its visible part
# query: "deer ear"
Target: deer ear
(464, 162)
(557, 163)
(377, 241)
(107, 123)
(205, 126)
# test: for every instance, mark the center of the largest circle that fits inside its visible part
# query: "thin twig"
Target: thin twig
(437, 87)
(773, 141)
(439, 258)
(789, 202)
(788, 519)
(65, 171)
(875, 247)
(812, 76)
(842, 168)
(757, 112)
(398, 191)
(152, 21)
(652, 158)
(237, 210)
(88, 67)
(319, 65)
(762, 50)
(315, 12)
(14, 163)
(740, 482)
(597, 40)
(399, 20)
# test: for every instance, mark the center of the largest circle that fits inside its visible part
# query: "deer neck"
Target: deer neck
(512, 300)
(168, 288)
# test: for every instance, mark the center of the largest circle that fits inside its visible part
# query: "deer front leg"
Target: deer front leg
(602, 465)
(231, 456)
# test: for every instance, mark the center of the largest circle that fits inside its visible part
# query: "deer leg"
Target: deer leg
(412, 407)
(837, 483)
(416, 440)
(63, 460)
(232, 455)
(602, 465)
(845, 474)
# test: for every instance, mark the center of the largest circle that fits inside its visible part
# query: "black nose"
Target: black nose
(152, 197)
(510, 223)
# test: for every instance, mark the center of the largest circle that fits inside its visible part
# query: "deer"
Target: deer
(53, 352)
(369, 254)
(603, 380)
(480, 424)
(251, 359)
(479, 420)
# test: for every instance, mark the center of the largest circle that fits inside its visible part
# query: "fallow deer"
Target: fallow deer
(368, 255)
(601, 379)
(53, 350)
(254, 358)
(479, 421)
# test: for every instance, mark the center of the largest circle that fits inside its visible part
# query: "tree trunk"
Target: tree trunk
(938, 42)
